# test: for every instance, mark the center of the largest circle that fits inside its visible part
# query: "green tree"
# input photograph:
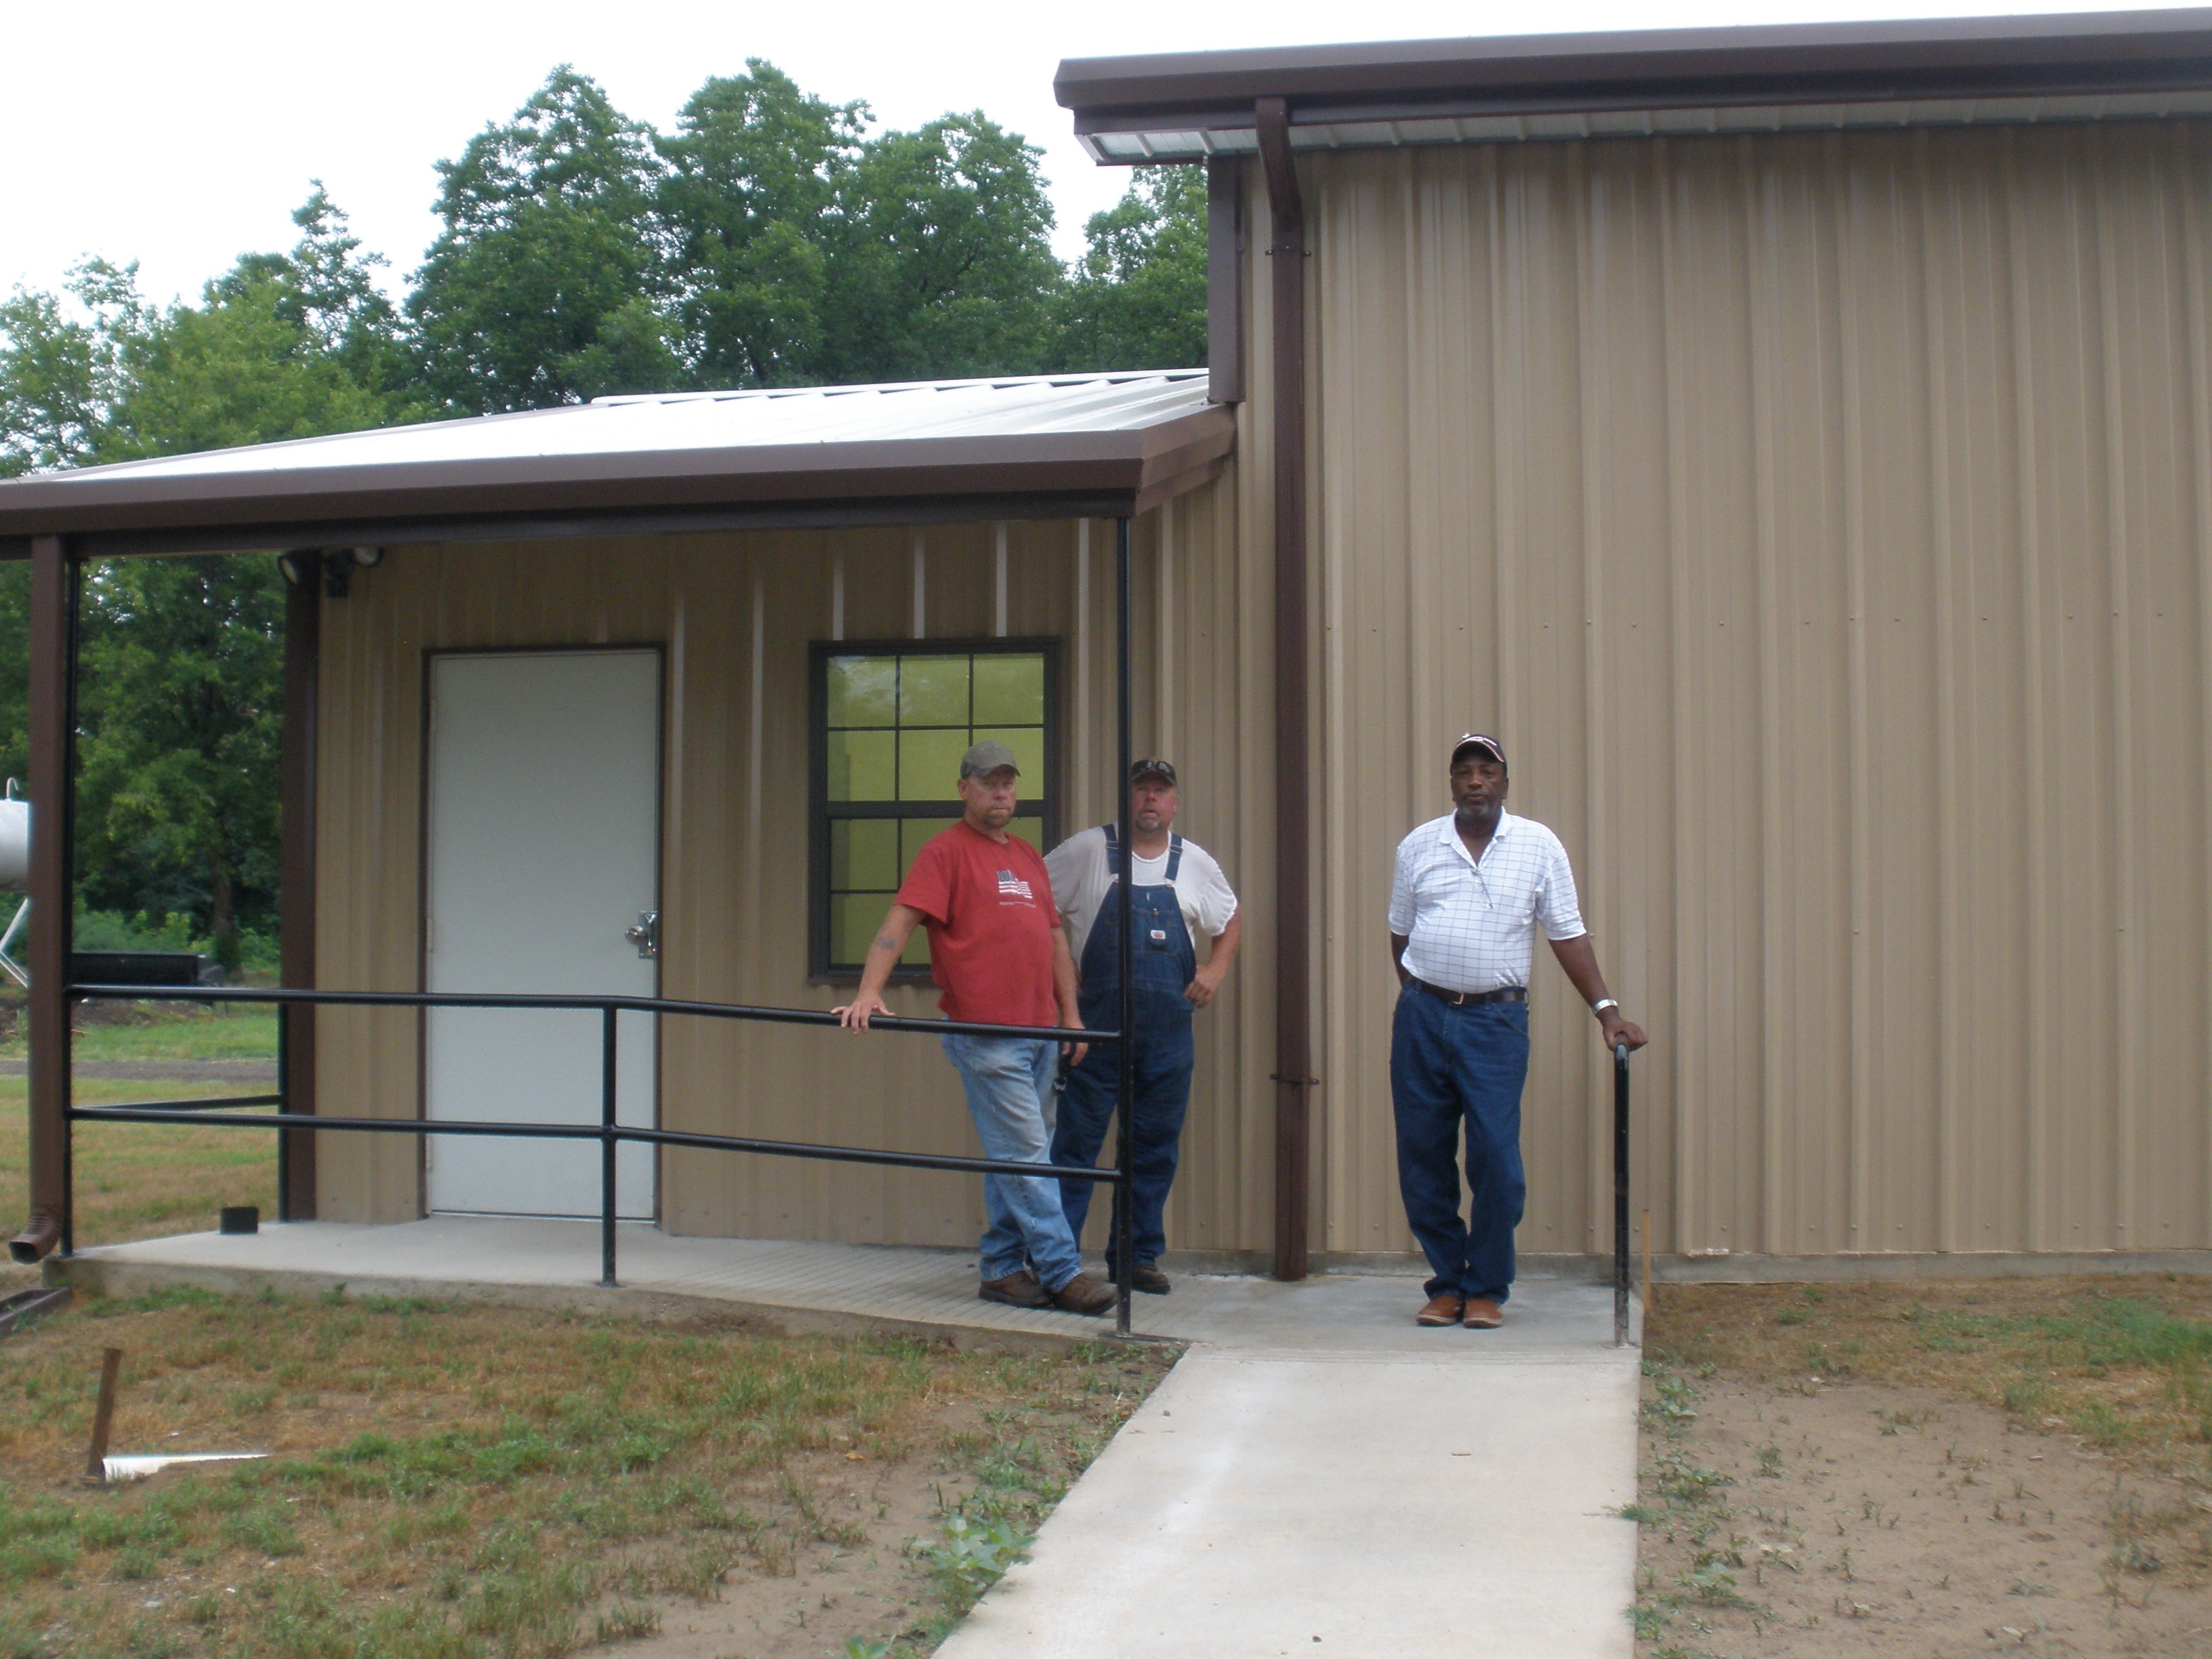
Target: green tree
(182, 658)
(1137, 299)
(180, 700)
(748, 203)
(546, 284)
(943, 262)
(59, 374)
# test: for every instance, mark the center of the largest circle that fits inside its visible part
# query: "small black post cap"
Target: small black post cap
(240, 1219)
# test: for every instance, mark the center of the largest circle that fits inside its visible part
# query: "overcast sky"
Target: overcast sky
(184, 136)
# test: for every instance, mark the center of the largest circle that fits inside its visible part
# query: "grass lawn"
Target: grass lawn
(2017, 1464)
(161, 1030)
(451, 1482)
(139, 1180)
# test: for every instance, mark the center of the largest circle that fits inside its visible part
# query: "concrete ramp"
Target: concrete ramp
(1382, 1491)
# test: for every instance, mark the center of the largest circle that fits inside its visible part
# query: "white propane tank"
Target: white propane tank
(14, 841)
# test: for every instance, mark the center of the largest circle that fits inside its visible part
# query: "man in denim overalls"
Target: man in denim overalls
(1179, 892)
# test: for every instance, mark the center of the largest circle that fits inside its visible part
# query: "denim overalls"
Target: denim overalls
(1163, 964)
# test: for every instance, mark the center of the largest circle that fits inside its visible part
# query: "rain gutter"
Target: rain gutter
(1293, 1075)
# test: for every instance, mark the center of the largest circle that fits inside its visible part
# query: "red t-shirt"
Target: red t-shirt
(988, 905)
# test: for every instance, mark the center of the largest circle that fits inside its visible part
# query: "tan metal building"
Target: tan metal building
(1795, 443)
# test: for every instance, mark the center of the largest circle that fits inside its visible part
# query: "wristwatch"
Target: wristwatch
(1601, 1004)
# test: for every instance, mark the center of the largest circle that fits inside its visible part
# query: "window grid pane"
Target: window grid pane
(896, 724)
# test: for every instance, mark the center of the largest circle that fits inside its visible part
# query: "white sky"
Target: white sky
(184, 136)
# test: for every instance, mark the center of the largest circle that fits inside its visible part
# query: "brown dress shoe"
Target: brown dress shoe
(1084, 1295)
(1018, 1289)
(1443, 1310)
(1483, 1314)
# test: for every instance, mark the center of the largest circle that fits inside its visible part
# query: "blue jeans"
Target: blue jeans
(1454, 1068)
(1164, 1058)
(1009, 1083)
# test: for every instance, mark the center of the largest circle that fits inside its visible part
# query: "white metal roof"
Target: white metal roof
(705, 421)
(1034, 445)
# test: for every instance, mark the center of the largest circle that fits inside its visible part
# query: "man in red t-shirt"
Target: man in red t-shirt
(1000, 958)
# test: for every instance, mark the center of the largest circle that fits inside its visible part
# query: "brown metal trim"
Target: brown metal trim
(1168, 489)
(124, 498)
(643, 521)
(1287, 253)
(1948, 58)
(296, 860)
(50, 911)
(1225, 279)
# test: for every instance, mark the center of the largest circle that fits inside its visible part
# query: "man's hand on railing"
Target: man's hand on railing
(854, 1016)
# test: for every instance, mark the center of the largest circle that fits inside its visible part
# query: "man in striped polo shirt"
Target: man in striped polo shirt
(1468, 894)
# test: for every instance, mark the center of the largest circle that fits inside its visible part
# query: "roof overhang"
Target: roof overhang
(1185, 106)
(513, 485)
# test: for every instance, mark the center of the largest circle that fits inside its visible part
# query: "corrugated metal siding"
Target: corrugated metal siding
(735, 615)
(1825, 523)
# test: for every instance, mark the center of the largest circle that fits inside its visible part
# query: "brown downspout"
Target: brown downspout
(1294, 1078)
(51, 918)
(296, 860)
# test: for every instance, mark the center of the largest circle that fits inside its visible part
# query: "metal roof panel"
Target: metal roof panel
(1127, 434)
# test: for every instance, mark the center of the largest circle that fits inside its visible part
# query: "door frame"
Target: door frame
(430, 655)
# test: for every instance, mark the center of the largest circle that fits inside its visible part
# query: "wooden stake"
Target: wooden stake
(103, 1416)
(1647, 1267)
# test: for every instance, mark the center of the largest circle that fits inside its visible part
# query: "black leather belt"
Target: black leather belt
(1463, 999)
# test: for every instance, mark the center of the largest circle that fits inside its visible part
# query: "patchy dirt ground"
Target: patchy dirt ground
(1863, 1519)
(1787, 1514)
(453, 1482)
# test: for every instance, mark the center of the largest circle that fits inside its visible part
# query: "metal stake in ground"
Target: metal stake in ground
(103, 1416)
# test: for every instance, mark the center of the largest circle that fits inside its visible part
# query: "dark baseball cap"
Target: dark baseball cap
(1153, 768)
(987, 758)
(1495, 750)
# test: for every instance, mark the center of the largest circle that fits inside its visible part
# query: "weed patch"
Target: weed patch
(458, 1483)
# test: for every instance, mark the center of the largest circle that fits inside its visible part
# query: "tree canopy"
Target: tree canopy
(772, 238)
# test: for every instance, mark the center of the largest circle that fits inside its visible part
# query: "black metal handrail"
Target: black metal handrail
(1620, 1197)
(607, 1131)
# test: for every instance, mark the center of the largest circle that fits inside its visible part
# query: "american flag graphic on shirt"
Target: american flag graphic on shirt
(1011, 887)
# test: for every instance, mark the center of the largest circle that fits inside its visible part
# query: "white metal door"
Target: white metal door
(544, 810)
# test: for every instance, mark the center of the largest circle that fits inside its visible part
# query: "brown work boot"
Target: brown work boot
(1483, 1314)
(1018, 1289)
(1443, 1309)
(1084, 1295)
(1145, 1277)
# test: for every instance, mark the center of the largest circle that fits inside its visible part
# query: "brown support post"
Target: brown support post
(1225, 242)
(51, 661)
(303, 640)
(1294, 1079)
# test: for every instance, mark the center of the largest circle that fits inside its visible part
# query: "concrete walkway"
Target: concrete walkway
(1318, 1475)
(1323, 1477)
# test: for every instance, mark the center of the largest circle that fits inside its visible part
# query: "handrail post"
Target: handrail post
(609, 1146)
(283, 1109)
(1125, 1018)
(1620, 1197)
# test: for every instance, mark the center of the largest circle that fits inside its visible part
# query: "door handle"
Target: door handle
(645, 935)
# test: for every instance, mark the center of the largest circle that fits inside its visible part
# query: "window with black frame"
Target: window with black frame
(890, 723)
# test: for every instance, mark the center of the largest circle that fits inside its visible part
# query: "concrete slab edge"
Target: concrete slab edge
(93, 1276)
(1748, 1267)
